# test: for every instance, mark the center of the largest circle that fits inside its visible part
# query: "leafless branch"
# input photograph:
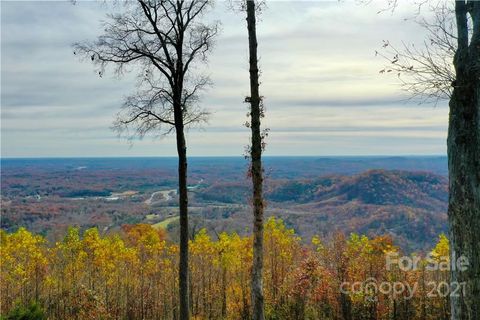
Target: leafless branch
(426, 71)
(160, 40)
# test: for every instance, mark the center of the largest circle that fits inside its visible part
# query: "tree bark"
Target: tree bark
(182, 194)
(256, 167)
(183, 204)
(224, 292)
(464, 164)
(346, 306)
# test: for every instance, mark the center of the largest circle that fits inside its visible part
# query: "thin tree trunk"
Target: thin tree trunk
(224, 292)
(423, 315)
(183, 204)
(346, 306)
(182, 173)
(464, 164)
(257, 174)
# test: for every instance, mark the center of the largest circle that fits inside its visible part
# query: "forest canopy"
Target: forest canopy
(132, 274)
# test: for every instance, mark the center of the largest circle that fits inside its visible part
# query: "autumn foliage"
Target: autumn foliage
(133, 275)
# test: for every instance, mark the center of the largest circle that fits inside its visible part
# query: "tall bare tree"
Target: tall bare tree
(464, 161)
(256, 149)
(160, 40)
(448, 67)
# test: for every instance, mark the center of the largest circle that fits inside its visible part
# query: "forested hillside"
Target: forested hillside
(133, 274)
(310, 194)
(409, 206)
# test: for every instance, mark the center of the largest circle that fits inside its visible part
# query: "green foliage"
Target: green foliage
(31, 312)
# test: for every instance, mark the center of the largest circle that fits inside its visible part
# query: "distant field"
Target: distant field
(165, 223)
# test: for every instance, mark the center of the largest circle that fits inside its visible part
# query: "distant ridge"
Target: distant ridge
(410, 206)
(405, 197)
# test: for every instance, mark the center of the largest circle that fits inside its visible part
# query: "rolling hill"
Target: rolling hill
(405, 197)
(409, 206)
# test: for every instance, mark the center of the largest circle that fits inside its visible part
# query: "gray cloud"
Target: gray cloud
(319, 76)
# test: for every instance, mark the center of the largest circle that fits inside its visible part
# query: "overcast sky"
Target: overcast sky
(323, 92)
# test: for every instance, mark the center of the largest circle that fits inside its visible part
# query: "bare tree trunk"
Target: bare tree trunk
(257, 173)
(224, 292)
(346, 306)
(464, 164)
(183, 205)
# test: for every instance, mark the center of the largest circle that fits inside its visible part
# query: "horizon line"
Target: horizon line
(226, 156)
